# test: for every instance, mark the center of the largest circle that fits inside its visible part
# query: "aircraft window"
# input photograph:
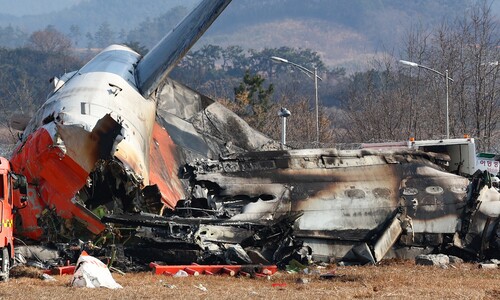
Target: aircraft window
(355, 193)
(381, 192)
(458, 189)
(410, 191)
(242, 197)
(434, 190)
(84, 108)
(266, 197)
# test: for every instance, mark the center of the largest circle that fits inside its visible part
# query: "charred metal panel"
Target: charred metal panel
(222, 124)
(57, 178)
(98, 143)
(387, 239)
(165, 166)
(203, 128)
(61, 146)
(109, 92)
(185, 136)
(179, 100)
(346, 235)
(194, 127)
(222, 234)
(344, 195)
(88, 147)
(216, 240)
(433, 199)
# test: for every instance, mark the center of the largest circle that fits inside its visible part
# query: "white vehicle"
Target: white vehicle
(460, 153)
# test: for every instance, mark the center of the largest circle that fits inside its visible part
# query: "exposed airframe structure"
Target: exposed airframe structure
(119, 140)
(361, 205)
(95, 133)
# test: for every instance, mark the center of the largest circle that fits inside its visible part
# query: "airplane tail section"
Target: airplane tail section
(156, 65)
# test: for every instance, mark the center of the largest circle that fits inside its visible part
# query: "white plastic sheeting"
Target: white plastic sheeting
(92, 273)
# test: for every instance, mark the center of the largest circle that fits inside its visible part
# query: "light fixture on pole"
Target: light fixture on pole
(283, 114)
(310, 74)
(447, 79)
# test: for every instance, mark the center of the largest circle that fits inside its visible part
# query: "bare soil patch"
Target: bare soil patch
(391, 280)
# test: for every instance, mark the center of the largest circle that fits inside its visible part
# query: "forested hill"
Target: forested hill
(88, 15)
(384, 101)
(339, 30)
(34, 7)
(360, 15)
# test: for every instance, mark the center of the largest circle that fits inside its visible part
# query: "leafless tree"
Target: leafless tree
(50, 40)
(392, 102)
(22, 107)
(480, 51)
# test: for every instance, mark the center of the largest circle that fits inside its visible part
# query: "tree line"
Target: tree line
(395, 101)
(387, 102)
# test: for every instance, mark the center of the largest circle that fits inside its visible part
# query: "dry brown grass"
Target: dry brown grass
(393, 280)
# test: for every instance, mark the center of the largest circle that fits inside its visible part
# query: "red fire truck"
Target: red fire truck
(13, 196)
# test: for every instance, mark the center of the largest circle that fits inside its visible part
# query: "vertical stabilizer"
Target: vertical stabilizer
(156, 65)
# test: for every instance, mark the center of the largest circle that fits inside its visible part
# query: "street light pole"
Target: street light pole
(315, 77)
(316, 103)
(447, 79)
(447, 112)
(283, 114)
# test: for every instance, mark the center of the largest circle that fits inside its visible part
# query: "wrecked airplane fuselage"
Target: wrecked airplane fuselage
(108, 143)
(88, 147)
(212, 239)
(94, 125)
(356, 204)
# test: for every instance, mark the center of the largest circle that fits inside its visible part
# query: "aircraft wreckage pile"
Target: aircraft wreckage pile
(268, 207)
(127, 164)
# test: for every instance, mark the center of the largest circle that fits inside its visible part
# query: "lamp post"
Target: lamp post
(310, 74)
(283, 114)
(447, 79)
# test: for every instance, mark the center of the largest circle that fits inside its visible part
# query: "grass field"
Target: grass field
(391, 280)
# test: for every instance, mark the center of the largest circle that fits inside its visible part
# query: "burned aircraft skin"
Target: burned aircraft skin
(212, 239)
(192, 126)
(89, 146)
(356, 204)
(74, 130)
(114, 137)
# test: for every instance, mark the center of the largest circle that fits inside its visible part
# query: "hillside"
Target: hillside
(88, 15)
(344, 32)
(34, 7)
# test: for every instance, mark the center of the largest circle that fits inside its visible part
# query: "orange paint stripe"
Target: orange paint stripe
(164, 167)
